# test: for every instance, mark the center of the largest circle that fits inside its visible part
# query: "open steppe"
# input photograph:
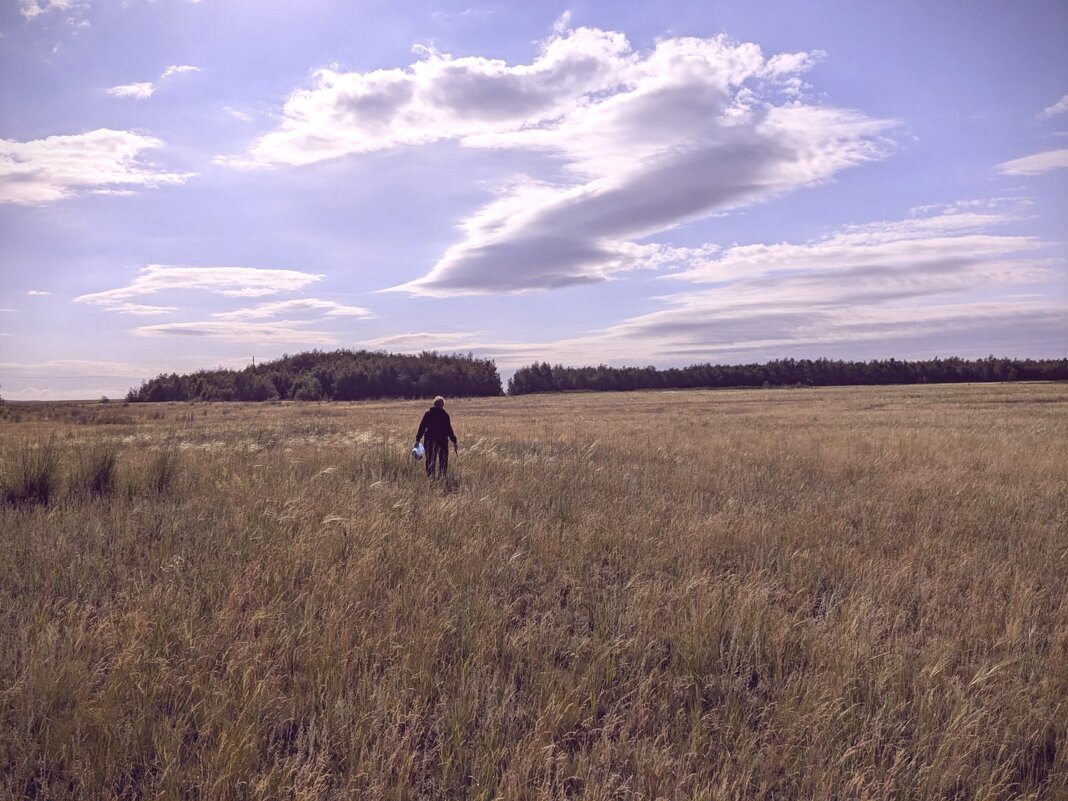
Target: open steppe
(847, 593)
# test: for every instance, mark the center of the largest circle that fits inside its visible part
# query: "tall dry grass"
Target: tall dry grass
(820, 594)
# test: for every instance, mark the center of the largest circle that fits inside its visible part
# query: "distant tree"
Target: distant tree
(539, 377)
(338, 375)
(307, 388)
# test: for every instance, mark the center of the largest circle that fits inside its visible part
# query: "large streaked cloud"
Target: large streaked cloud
(645, 141)
(539, 236)
(1036, 163)
(897, 285)
(45, 170)
(243, 282)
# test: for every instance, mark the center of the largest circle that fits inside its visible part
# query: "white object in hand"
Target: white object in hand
(418, 451)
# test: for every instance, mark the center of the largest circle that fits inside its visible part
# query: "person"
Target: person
(435, 429)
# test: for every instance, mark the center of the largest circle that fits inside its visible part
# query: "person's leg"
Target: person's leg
(444, 446)
(428, 444)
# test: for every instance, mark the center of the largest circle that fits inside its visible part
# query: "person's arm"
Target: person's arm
(422, 427)
(452, 436)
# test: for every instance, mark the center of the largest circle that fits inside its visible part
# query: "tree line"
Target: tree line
(543, 377)
(338, 375)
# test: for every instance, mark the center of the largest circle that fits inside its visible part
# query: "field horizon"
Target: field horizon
(833, 592)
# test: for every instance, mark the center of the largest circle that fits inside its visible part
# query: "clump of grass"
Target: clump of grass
(36, 474)
(162, 471)
(97, 470)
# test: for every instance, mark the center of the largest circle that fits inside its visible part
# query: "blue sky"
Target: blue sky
(188, 184)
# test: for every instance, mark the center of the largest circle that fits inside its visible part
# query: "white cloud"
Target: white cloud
(245, 282)
(442, 97)
(38, 292)
(282, 331)
(140, 309)
(647, 141)
(1036, 163)
(921, 247)
(32, 8)
(45, 170)
(178, 69)
(264, 311)
(1060, 107)
(138, 91)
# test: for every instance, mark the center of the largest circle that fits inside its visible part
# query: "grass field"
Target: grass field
(851, 593)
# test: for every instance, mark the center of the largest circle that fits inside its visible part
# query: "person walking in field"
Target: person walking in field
(435, 429)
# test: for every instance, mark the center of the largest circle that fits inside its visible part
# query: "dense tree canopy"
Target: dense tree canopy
(337, 375)
(541, 377)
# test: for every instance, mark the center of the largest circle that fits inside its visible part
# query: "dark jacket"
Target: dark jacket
(436, 425)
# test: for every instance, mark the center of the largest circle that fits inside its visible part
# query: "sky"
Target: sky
(188, 184)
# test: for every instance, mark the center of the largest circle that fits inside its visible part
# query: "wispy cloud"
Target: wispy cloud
(416, 341)
(282, 331)
(245, 282)
(137, 91)
(945, 242)
(59, 379)
(1037, 163)
(237, 114)
(145, 89)
(178, 69)
(471, 12)
(325, 308)
(44, 170)
(1060, 107)
(33, 8)
(66, 368)
(38, 292)
(647, 141)
(829, 289)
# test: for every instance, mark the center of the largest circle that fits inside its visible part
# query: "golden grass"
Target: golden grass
(818, 594)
